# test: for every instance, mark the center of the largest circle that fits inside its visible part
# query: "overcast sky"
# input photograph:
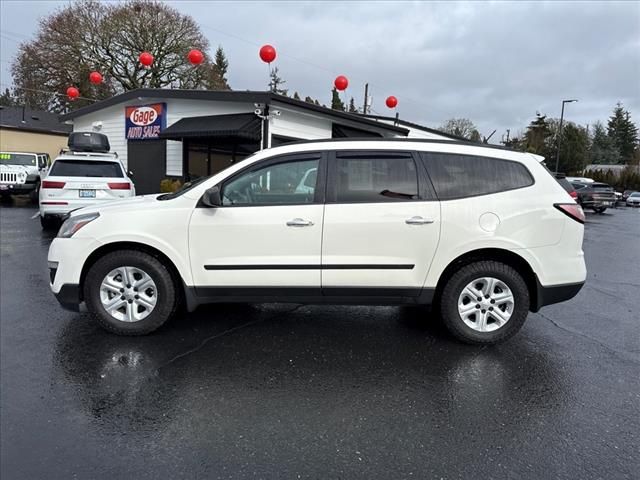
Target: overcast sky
(495, 63)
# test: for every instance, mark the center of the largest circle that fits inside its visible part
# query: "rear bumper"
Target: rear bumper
(69, 297)
(555, 294)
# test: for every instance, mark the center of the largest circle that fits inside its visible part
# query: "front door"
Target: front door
(381, 225)
(268, 232)
(147, 164)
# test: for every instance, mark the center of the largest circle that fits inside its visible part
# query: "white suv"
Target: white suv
(486, 234)
(81, 179)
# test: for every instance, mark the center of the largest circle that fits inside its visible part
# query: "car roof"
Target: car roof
(84, 156)
(19, 153)
(444, 146)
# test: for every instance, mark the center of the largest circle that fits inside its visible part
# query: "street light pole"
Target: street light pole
(560, 132)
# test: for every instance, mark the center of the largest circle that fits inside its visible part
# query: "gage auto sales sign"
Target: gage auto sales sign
(145, 122)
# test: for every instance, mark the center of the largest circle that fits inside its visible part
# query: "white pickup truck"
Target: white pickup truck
(20, 173)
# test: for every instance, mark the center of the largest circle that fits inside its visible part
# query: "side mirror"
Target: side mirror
(212, 197)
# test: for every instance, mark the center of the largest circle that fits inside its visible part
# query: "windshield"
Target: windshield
(184, 189)
(17, 159)
(635, 194)
(85, 168)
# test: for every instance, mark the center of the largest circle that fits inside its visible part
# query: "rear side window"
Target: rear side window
(373, 178)
(85, 168)
(461, 176)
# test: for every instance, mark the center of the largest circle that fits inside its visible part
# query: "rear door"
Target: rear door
(381, 224)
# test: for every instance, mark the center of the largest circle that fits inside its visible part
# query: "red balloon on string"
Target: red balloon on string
(73, 93)
(392, 102)
(95, 78)
(146, 59)
(195, 57)
(267, 53)
(341, 82)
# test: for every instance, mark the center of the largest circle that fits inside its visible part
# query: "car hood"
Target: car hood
(118, 206)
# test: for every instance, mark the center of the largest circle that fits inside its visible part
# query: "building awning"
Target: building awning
(343, 131)
(227, 128)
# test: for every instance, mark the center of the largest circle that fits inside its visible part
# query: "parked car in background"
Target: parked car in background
(626, 194)
(566, 184)
(485, 233)
(596, 196)
(85, 176)
(21, 172)
(633, 200)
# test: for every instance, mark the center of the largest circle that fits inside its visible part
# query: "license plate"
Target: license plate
(87, 193)
(607, 204)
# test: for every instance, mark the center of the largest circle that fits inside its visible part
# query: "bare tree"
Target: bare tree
(108, 37)
(462, 127)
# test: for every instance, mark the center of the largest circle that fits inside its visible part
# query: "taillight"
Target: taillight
(571, 210)
(50, 184)
(573, 194)
(119, 186)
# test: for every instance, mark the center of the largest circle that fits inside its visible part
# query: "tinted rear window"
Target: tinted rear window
(460, 176)
(373, 178)
(601, 186)
(85, 168)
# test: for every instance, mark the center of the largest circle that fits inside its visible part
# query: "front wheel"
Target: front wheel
(599, 209)
(49, 223)
(33, 194)
(130, 292)
(484, 302)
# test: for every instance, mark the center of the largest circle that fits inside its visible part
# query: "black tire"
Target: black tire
(49, 223)
(33, 194)
(167, 294)
(451, 292)
(599, 209)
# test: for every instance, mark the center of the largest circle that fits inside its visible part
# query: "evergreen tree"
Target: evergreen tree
(221, 63)
(352, 106)
(603, 150)
(623, 133)
(296, 96)
(475, 136)
(336, 103)
(276, 83)
(7, 100)
(539, 137)
(308, 99)
(574, 148)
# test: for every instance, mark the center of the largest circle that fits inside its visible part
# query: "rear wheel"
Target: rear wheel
(599, 209)
(485, 302)
(33, 194)
(130, 292)
(49, 223)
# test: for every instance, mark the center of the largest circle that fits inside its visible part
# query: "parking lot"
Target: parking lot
(284, 391)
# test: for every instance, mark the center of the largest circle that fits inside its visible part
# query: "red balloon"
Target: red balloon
(195, 57)
(95, 78)
(73, 93)
(146, 59)
(392, 102)
(267, 53)
(341, 82)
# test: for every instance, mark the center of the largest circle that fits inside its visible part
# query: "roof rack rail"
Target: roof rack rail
(66, 151)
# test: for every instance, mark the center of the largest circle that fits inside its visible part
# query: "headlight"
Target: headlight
(72, 224)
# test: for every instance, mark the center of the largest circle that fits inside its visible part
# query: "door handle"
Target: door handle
(418, 221)
(299, 222)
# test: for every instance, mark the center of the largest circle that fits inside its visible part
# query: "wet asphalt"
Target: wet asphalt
(285, 391)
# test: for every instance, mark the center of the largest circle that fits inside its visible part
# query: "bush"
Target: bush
(169, 185)
(629, 178)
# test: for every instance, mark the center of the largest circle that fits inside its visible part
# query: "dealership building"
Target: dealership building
(185, 134)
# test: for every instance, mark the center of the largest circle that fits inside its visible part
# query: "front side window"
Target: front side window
(461, 176)
(286, 183)
(375, 178)
(85, 168)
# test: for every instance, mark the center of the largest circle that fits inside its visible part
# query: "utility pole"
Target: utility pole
(560, 133)
(366, 97)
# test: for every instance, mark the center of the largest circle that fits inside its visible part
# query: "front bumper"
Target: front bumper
(555, 294)
(69, 297)
(17, 188)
